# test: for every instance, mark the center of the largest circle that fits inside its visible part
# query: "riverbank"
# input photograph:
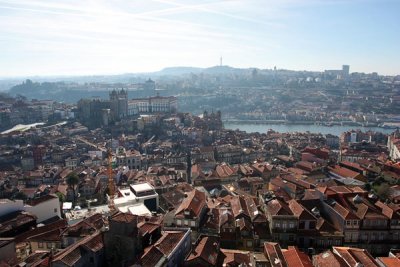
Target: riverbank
(312, 128)
(330, 123)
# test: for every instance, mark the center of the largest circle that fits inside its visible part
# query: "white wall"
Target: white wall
(45, 210)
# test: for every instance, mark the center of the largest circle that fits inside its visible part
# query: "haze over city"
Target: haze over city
(110, 37)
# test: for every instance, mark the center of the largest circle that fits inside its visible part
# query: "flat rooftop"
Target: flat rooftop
(141, 187)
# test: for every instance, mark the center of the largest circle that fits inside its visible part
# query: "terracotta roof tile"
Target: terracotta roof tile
(328, 258)
(352, 256)
(277, 207)
(235, 257)
(389, 261)
(151, 257)
(274, 254)
(295, 258)
(207, 249)
(169, 241)
(124, 217)
(194, 202)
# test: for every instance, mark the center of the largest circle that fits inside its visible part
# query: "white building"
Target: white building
(129, 198)
(394, 147)
(43, 208)
(157, 104)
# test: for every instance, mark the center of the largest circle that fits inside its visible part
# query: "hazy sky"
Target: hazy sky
(55, 37)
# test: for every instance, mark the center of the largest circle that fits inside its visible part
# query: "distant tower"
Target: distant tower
(345, 70)
(119, 104)
(150, 85)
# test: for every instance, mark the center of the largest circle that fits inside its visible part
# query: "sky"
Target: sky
(78, 37)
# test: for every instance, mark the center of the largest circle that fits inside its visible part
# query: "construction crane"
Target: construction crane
(111, 185)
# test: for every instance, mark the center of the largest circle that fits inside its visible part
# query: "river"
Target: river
(283, 128)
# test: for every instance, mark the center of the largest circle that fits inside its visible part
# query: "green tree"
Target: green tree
(61, 197)
(383, 191)
(72, 182)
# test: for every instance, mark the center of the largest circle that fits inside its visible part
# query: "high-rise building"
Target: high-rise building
(345, 70)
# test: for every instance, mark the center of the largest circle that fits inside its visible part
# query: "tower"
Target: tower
(345, 70)
(119, 104)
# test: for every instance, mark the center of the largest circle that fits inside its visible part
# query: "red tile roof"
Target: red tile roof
(50, 236)
(274, 254)
(389, 261)
(194, 203)
(277, 207)
(352, 256)
(124, 217)
(346, 173)
(162, 248)
(300, 211)
(169, 241)
(328, 258)
(151, 257)
(235, 257)
(295, 258)
(42, 229)
(207, 249)
(73, 253)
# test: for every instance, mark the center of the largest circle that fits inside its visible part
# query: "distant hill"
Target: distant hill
(176, 71)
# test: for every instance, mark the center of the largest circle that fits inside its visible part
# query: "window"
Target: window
(40, 245)
(354, 237)
(49, 245)
(364, 237)
(381, 236)
(312, 225)
(55, 210)
(302, 224)
(192, 223)
(348, 223)
(291, 238)
(373, 236)
(178, 222)
(186, 222)
(249, 244)
(347, 236)
(395, 236)
(355, 223)
(277, 225)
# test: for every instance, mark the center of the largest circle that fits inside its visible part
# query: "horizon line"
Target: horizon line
(11, 77)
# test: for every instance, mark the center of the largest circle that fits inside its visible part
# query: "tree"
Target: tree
(61, 197)
(72, 182)
(383, 191)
